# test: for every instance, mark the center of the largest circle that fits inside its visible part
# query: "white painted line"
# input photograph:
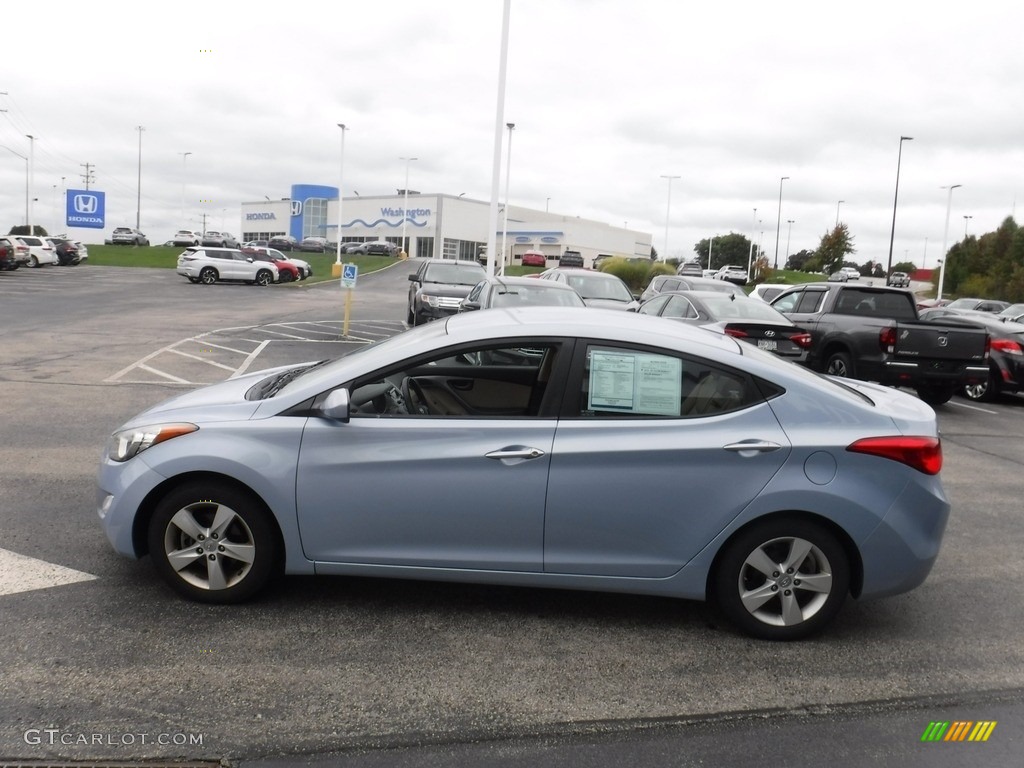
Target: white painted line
(971, 407)
(164, 374)
(248, 361)
(19, 573)
(201, 359)
(265, 329)
(206, 343)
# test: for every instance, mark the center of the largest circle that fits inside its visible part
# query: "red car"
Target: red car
(288, 271)
(534, 259)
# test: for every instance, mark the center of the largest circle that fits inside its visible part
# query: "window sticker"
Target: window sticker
(635, 382)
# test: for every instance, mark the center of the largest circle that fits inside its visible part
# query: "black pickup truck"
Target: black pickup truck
(875, 334)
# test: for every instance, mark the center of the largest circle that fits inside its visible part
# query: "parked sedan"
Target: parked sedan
(313, 245)
(513, 431)
(993, 306)
(534, 259)
(8, 255)
(498, 291)
(742, 318)
(67, 251)
(597, 289)
(1006, 356)
(212, 265)
(664, 283)
(1013, 312)
(283, 243)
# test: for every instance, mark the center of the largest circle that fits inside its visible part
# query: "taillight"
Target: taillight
(735, 332)
(1007, 347)
(887, 339)
(921, 453)
(802, 340)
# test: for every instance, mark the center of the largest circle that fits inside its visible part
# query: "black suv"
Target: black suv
(571, 259)
(439, 286)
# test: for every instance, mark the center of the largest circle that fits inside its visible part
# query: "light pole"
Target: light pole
(668, 209)
(750, 255)
(341, 180)
(789, 234)
(184, 175)
(405, 204)
(896, 197)
(966, 221)
(138, 193)
(837, 211)
(778, 223)
(547, 205)
(711, 243)
(31, 182)
(18, 154)
(945, 236)
(508, 172)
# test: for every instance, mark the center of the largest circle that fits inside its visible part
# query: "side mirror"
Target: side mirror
(468, 306)
(336, 406)
(413, 278)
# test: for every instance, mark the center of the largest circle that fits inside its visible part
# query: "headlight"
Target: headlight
(128, 443)
(429, 300)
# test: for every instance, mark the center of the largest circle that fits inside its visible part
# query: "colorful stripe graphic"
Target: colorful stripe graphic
(959, 730)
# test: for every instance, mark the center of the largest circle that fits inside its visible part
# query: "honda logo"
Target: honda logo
(86, 204)
(296, 207)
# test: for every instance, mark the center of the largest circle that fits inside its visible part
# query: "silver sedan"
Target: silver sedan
(541, 447)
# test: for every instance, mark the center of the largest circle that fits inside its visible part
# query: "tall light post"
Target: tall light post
(138, 186)
(837, 211)
(405, 204)
(896, 197)
(945, 236)
(508, 172)
(23, 157)
(31, 181)
(668, 210)
(967, 220)
(778, 221)
(711, 244)
(547, 205)
(789, 234)
(184, 175)
(341, 196)
(750, 255)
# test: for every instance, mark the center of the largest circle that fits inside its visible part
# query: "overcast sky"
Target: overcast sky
(607, 96)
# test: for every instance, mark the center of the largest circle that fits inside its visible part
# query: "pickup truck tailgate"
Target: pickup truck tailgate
(936, 341)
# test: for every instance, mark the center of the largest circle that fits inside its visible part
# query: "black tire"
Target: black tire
(840, 364)
(193, 279)
(984, 392)
(214, 543)
(410, 318)
(936, 394)
(208, 276)
(798, 599)
(33, 261)
(264, 277)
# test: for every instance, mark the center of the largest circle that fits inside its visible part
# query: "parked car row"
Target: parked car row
(208, 265)
(32, 251)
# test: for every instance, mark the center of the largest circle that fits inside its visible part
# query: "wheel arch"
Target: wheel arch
(140, 525)
(849, 547)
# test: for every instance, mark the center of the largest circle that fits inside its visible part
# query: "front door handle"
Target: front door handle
(515, 452)
(752, 447)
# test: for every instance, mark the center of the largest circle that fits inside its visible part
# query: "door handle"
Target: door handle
(751, 447)
(515, 452)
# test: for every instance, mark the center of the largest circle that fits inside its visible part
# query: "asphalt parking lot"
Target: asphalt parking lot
(95, 646)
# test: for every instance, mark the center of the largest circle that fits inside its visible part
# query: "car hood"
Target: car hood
(446, 289)
(218, 402)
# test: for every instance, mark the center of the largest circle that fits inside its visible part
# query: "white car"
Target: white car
(732, 274)
(186, 237)
(212, 265)
(767, 291)
(852, 273)
(34, 251)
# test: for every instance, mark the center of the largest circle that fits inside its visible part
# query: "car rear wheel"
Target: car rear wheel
(33, 261)
(213, 543)
(782, 579)
(208, 276)
(984, 391)
(263, 277)
(936, 394)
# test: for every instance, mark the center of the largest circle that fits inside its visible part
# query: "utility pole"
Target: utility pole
(87, 176)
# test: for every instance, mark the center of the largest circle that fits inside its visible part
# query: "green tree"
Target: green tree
(798, 261)
(726, 249)
(23, 229)
(833, 249)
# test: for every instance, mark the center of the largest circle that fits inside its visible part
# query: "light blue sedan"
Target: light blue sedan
(541, 447)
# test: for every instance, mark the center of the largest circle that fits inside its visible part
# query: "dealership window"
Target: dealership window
(314, 219)
(424, 247)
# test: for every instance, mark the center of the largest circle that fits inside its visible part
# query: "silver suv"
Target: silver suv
(211, 265)
(128, 236)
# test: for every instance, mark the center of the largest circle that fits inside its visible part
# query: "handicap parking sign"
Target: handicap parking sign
(349, 272)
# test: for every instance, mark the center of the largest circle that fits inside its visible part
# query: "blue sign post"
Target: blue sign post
(349, 273)
(86, 208)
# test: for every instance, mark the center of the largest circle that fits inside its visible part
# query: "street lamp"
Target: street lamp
(837, 211)
(778, 223)
(508, 172)
(341, 180)
(711, 243)
(18, 154)
(138, 197)
(31, 181)
(750, 255)
(668, 208)
(789, 234)
(547, 205)
(896, 197)
(945, 236)
(966, 221)
(184, 175)
(405, 204)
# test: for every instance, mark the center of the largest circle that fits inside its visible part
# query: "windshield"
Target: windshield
(457, 274)
(597, 287)
(725, 306)
(535, 295)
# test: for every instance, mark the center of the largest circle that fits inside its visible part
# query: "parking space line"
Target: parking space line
(20, 573)
(248, 360)
(282, 333)
(157, 372)
(205, 343)
(971, 407)
(201, 359)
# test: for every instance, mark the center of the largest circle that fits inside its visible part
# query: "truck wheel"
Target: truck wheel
(984, 391)
(839, 364)
(936, 394)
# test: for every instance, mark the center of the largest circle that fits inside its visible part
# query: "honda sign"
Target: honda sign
(86, 208)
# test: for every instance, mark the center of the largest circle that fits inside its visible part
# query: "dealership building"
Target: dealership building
(435, 225)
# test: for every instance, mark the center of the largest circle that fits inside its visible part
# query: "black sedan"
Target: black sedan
(520, 292)
(743, 318)
(1006, 356)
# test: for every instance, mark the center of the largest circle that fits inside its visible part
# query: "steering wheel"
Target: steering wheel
(415, 401)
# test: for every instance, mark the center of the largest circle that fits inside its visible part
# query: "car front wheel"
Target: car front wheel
(213, 543)
(782, 579)
(839, 364)
(263, 277)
